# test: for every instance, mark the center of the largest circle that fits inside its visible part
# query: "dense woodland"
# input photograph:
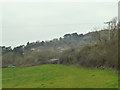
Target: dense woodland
(93, 50)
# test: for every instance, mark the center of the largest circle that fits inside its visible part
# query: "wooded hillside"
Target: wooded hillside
(98, 49)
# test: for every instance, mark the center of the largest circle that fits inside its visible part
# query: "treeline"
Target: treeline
(24, 58)
(36, 53)
(94, 50)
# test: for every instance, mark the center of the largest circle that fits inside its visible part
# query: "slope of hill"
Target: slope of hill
(58, 76)
(103, 54)
(36, 53)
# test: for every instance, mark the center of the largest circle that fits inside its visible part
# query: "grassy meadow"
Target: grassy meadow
(58, 76)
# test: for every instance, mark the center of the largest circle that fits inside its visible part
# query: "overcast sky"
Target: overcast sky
(23, 22)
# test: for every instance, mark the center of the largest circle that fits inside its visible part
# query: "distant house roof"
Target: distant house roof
(32, 49)
(54, 59)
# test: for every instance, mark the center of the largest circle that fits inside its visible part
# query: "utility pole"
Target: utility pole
(108, 27)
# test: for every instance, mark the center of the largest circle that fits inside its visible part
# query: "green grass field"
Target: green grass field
(58, 76)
